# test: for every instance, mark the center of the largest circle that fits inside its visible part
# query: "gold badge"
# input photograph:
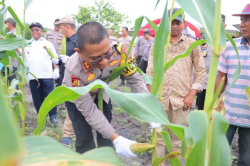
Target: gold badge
(90, 77)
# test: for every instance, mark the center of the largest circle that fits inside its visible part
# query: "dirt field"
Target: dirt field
(124, 124)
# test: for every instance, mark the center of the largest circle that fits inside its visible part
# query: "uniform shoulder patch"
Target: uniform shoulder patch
(75, 82)
(90, 77)
(113, 62)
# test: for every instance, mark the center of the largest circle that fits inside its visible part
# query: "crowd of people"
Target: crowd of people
(92, 52)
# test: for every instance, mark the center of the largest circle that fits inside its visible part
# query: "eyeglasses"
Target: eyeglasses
(33, 30)
(98, 60)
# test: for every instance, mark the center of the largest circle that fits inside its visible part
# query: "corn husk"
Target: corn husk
(50, 53)
(63, 46)
(141, 147)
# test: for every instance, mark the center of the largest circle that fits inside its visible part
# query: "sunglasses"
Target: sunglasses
(106, 56)
(33, 30)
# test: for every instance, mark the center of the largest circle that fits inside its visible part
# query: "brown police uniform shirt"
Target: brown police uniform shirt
(56, 38)
(79, 74)
(177, 78)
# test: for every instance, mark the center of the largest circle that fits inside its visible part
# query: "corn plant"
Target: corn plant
(203, 144)
(8, 46)
(206, 140)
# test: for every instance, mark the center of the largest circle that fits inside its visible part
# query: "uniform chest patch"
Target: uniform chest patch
(114, 62)
(90, 77)
(75, 82)
(124, 49)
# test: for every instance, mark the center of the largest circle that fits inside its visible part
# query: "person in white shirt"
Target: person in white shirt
(40, 64)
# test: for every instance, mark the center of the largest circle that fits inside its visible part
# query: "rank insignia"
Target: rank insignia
(75, 82)
(113, 62)
(90, 77)
(86, 65)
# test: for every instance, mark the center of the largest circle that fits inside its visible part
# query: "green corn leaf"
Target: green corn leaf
(2, 18)
(175, 162)
(195, 44)
(157, 3)
(152, 24)
(137, 27)
(198, 125)
(12, 43)
(10, 151)
(141, 106)
(22, 110)
(146, 78)
(187, 143)
(100, 99)
(19, 70)
(15, 17)
(216, 95)
(18, 31)
(158, 161)
(179, 11)
(220, 149)
(28, 2)
(238, 70)
(159, 51)
(10, 71)
(41, 150)
(116, 73)
(167, 139)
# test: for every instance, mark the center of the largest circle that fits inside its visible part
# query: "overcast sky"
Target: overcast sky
(46, 11)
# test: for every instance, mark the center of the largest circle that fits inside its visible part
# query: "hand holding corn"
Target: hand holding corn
(54, 60)
(122, 147)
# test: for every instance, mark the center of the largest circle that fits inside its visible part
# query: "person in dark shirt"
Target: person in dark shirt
(67, 26)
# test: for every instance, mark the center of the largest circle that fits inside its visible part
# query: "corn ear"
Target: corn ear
(63, 46)
(50, 53)
(141, 147)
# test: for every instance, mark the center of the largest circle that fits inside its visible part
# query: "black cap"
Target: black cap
(57, 20)
(179, 17)
(146, 32)
(36, 24)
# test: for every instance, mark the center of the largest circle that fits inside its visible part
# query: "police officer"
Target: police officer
(55, 37)
(140, 46)
(96, 57)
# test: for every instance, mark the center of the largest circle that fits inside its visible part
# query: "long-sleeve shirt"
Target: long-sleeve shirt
(79, 73)
(146, 50)
(140, 45)
(177, 78)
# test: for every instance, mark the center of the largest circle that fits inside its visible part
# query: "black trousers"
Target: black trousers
(83, 131)
(143, 65)
(122, 78)
(201, 99)
(244, 143)
(40, 93)
(138, 60)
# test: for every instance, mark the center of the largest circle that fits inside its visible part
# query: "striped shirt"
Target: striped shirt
(236, 102)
